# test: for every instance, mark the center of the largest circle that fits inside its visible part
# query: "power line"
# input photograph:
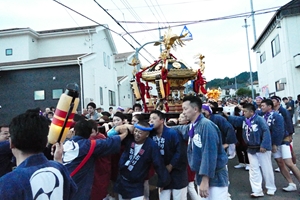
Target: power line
(131, 10)
(246, 14)
(186, 2)
(225, 17)
(121, 12)
(87, 18)
(184, 23)
(161, 12)
(123, 29)
(135, 15)
(151, 10)
(159, 32)
(75, 21)
(155, 11)
(102, 26)
(128, 8)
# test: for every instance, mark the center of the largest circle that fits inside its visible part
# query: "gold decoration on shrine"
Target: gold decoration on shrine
(134, 63)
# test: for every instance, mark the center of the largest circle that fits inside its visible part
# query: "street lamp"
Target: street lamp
(137, 50)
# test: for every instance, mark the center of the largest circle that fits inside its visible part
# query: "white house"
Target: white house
(228, 90)
(255, 87)
(124, 72)
(43, 62)
(278, 53)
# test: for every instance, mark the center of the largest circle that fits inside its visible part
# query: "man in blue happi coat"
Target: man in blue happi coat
(257, 135)
(288, 123)
(35, 177)
(227, 130)
(134, 165)
(76, 149)
(281, 148)
(173, 151)
(206, 154)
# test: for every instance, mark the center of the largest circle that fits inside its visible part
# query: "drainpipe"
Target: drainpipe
(119, 98)
(81, 79)
(79, 59)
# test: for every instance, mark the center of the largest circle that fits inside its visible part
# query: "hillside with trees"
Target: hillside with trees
(242, 80)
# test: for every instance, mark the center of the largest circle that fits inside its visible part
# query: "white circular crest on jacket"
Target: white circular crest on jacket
(71, 151)
(197, 140)
(47, 184)
(254, 127)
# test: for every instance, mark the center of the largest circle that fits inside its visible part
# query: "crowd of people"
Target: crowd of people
(108, 155)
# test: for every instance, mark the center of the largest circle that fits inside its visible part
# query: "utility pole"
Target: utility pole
(251, 80)
(235, 83)
(160, 46)
(253, 21)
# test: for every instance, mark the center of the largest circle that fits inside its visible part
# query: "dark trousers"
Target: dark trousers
(241, 147)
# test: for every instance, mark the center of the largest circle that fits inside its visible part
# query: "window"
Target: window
(275, 46)
(227, 92)
(101, 96)
(8, 52)
(104, 58)
(112, 98)
(39, 95)
(272, 94)
(56, 93)
(279, 86)
(263, 57)
(108, 62)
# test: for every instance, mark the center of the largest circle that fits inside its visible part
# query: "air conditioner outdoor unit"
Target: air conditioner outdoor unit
(282, 80)
(297, 60)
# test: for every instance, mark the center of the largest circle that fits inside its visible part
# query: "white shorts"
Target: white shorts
(284, 152)
(135, 198)
(177, 194)
(216, 193)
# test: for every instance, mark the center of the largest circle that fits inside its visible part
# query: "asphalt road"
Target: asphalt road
(239, 180)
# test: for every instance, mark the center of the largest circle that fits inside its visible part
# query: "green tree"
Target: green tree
(244, 92)
(242, 79)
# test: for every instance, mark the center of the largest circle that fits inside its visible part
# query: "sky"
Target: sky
(223, 42)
